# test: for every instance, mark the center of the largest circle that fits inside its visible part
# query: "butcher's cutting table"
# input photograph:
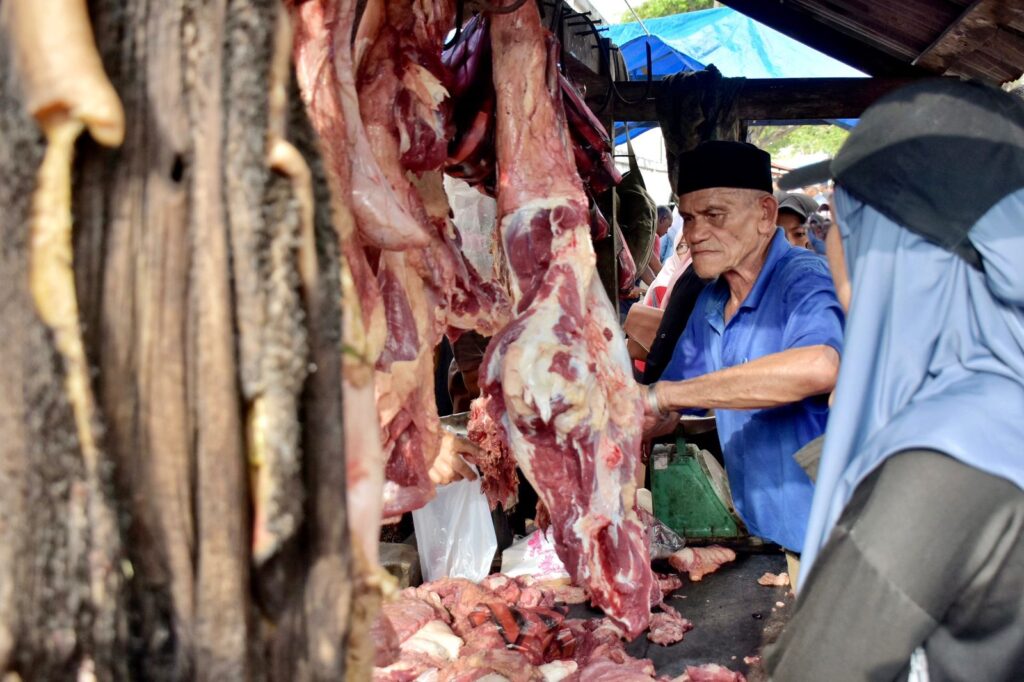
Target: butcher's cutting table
(729, 612)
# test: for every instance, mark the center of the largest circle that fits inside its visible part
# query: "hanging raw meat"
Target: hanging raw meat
(430, 289)
(323, 65)
(471, 154)
(556, 380)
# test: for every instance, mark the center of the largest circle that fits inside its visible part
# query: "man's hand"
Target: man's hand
(449, 466)
(658, 423)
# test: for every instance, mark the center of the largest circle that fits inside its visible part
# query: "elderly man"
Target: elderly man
(762, 345)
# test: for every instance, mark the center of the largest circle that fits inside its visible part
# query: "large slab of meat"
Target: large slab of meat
(556, 380)
(429, 288)
(379, 110)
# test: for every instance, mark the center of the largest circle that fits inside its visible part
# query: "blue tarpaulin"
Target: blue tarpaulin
(733, 42)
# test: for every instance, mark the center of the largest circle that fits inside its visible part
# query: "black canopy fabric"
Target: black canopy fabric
(695, 107)
(910, 159)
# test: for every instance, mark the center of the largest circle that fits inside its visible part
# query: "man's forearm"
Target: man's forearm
(647, 276)
(654, 263)
(771, 381)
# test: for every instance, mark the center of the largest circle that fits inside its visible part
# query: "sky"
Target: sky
(612, 10)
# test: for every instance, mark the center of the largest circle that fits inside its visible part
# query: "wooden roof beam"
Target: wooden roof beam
(804, 28)
(768, 99)
(976, 26)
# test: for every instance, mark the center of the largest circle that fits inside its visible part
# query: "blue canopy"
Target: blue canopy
(736, 44)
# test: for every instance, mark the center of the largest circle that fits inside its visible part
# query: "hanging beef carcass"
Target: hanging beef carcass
(556, 380)
(429, 289)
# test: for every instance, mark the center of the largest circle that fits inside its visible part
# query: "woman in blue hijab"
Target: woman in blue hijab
(914, 554)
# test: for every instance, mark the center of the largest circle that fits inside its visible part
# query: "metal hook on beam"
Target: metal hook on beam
(650, 80)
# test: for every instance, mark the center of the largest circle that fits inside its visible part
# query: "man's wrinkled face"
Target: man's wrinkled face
(725, 227)
(796, 231)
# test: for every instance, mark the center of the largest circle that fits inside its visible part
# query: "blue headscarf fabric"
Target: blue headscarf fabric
(933, 354)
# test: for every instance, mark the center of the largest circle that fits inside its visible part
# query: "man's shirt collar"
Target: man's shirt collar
(715, 310)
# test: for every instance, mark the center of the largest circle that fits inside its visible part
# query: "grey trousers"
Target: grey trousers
(928, 552)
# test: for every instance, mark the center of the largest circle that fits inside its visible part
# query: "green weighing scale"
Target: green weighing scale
(691, 495)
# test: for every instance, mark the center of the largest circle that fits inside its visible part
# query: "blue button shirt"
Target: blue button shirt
(792, 304)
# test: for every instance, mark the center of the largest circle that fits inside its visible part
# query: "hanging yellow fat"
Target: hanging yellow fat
(58, 67)
(51, 272)
(67, 91)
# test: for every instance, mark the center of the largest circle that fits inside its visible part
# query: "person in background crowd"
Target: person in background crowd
(794, 209)
(817, 228)
(661, 253)
(675, 227)
(659, 289)
(762, 345)
(650, 273)
(915, 547)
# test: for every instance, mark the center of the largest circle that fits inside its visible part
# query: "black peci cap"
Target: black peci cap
(721, 163)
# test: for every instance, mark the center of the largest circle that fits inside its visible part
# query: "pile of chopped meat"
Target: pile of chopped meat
(514, 628)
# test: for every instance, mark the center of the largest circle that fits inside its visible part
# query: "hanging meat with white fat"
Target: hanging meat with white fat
(428, 289)
(556, 380)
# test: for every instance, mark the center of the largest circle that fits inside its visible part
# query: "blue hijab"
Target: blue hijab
(933, 354)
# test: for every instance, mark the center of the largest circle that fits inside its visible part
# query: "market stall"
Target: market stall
(231, 252)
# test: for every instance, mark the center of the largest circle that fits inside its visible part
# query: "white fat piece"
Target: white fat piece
(556, 671)
(432, 675)
(436, 640)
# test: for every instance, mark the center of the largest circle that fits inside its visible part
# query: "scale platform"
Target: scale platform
(691, 495)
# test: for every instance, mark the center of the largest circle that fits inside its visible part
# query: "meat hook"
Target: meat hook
(650, 79)
(460, 10)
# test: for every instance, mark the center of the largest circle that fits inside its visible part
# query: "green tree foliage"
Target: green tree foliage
(663, 8)
(802, 139)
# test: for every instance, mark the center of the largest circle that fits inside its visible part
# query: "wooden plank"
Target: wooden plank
(901, 28)
(803, 27)
(976, 27)
(973, 27)
(765, 99)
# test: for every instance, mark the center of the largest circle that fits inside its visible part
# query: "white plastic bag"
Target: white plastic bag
(534, 556)
(475, 215)
(455, 534)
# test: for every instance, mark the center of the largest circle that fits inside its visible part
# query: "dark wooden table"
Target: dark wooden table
(729, 611)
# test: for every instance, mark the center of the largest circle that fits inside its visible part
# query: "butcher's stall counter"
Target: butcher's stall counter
(729, 611)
